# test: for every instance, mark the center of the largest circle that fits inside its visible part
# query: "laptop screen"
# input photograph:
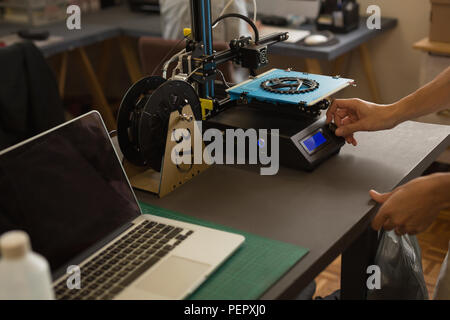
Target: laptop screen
(66, 189)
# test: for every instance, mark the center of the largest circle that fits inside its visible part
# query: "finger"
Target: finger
(329, 116)
(415, 229)
(349, 105)
(350, 137)
(389, 225)
(379, 197)
(343, 113)
(400, 231)
(349, 129)
(331, 110)
(353, 117)
(380, 219)
(346, 120)
(337, 120)
(335, 105)
(351, 140)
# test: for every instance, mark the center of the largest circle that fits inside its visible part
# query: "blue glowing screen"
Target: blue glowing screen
(315, 141)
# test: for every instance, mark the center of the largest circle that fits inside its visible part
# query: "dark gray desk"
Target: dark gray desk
(89, 34)
(325, 211)
(95, 27)
(347, 42)
(76, 41)
(132, 24)
(137, 24)
(116, 21)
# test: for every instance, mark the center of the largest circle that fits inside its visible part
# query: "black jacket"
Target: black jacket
(29, 98)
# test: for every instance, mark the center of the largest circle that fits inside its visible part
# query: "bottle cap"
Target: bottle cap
(14, 244)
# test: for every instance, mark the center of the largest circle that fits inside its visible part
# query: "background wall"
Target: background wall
(396, 64)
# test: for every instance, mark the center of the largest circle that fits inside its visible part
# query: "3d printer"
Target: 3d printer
(283, 99)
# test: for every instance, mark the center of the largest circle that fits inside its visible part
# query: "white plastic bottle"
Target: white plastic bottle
(24, 274)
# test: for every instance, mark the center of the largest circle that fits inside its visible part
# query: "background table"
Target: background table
(121, 24)
(137, 25)
(432, 47)
(327, 211)
(76, 41)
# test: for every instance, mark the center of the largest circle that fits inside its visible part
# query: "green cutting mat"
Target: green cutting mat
(252, 269)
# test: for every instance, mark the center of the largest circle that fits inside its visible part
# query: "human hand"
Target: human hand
(352, 115)
(411, 208)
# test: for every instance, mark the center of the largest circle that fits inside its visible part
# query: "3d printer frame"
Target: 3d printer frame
(200, 63)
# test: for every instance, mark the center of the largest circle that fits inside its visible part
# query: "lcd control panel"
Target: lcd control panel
(314, 142)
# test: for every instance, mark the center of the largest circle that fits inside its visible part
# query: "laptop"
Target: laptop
(68, 190)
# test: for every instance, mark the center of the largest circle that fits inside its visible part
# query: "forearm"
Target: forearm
(433, 97)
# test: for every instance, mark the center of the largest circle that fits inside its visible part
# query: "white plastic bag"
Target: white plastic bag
(400, 262)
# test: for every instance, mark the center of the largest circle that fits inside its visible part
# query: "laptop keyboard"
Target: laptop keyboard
(111, 271)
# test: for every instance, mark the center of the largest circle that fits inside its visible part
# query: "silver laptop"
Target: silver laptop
(67, 189)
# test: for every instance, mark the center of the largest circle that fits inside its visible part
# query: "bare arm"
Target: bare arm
(410, 208)
(433, 97)
(353, 115)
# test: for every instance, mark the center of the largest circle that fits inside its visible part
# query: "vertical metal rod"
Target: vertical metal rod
(202, 34)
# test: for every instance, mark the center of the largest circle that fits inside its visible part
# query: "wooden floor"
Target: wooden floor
(434, 243)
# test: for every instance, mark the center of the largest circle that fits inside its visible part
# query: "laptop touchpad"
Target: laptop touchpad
(173, 277)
